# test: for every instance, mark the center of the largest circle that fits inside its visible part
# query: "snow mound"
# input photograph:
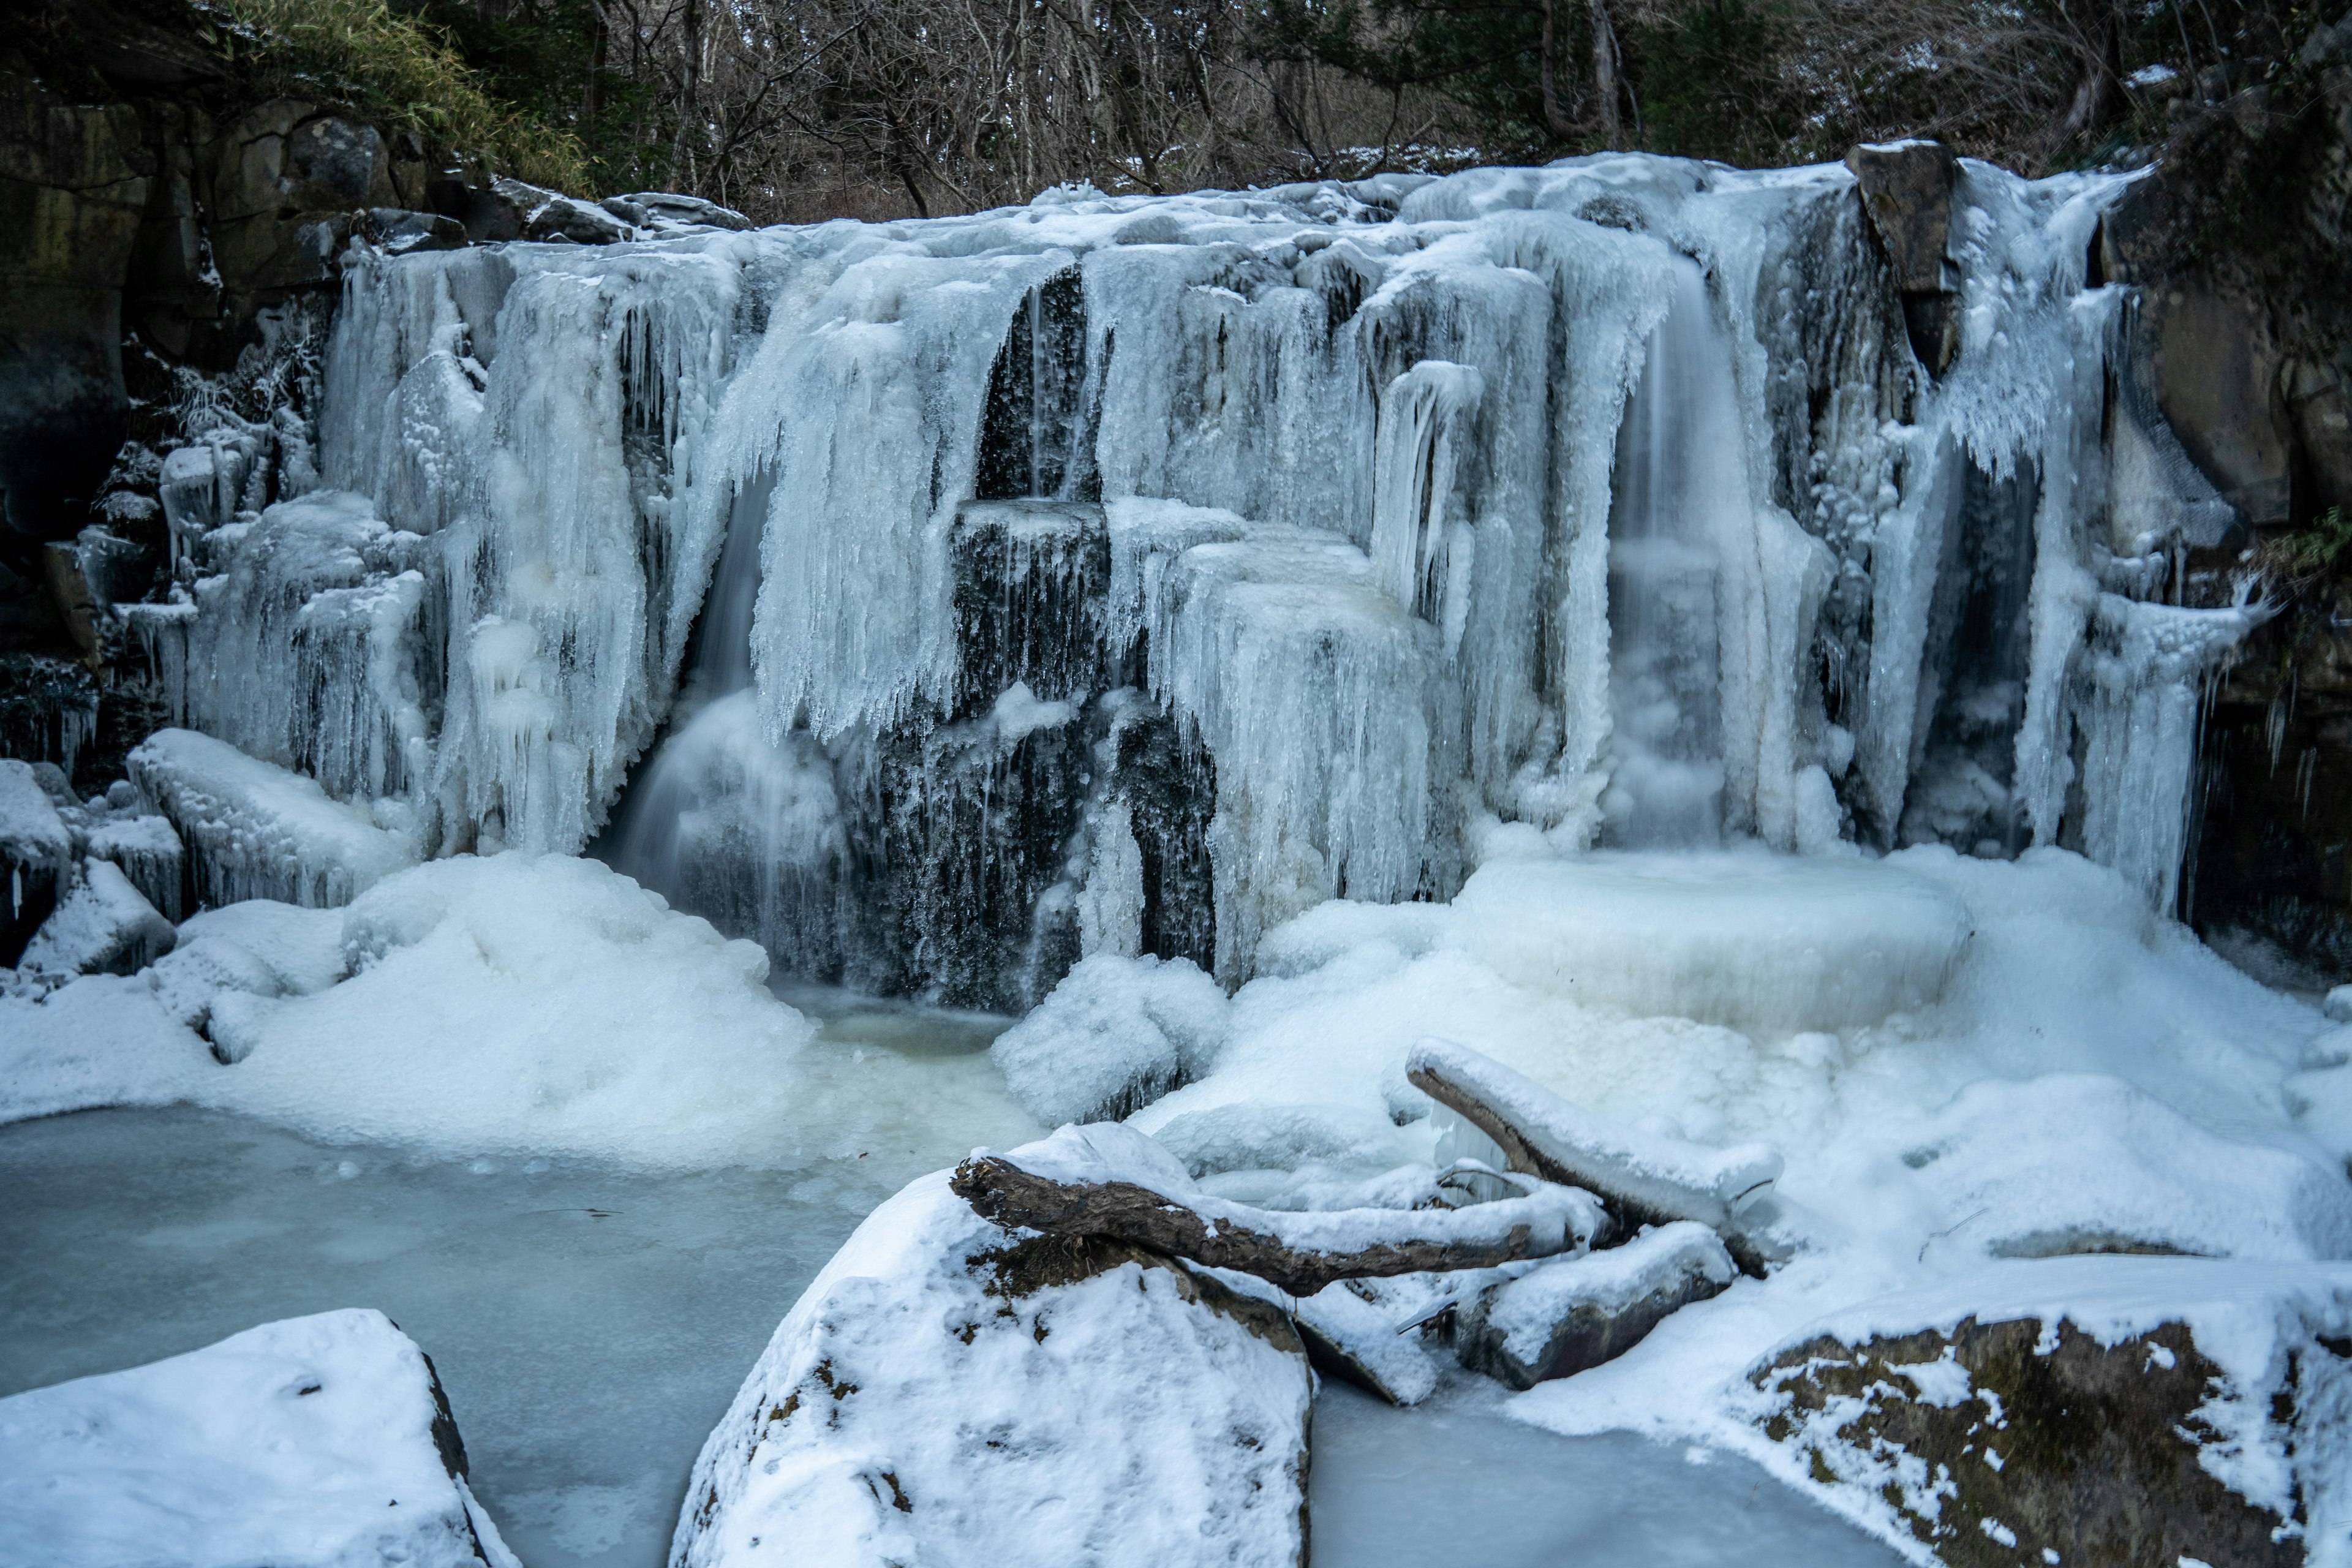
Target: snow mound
(2086, 1162)
(931, 1400)
(528, 1003)
(1116, 1034)
(257, 831)
(1752, 941)
(320, 1442)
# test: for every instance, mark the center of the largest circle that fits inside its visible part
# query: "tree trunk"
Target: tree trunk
(1604, 73)
(1556, 119)
(689, 96)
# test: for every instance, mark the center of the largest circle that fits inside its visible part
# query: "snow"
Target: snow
(308, 1443)
(1115, 1035)
(1526, 1312)
(905, 1410)
(257, 830)
(148, 852)
(1663, 1175)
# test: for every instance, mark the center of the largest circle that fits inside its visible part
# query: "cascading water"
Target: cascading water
(1131, 575)
(1680, 505)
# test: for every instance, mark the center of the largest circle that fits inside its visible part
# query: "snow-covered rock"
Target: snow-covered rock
(951, 1394)
(320, 1442)
(258, 949)
(257, 831)
(104, 926)
(1116, 1034)
(35, 851)
(1570, 1313)
(2085, 1410)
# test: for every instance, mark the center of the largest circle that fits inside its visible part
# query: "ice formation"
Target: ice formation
(1131, 575)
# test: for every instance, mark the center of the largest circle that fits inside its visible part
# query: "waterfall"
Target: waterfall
(938, 601)
(1680, 500)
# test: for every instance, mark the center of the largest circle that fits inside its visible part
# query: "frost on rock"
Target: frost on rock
(1568, 1314)
(2093, 1410)
(320, 1442)
(946, 1392)
(1116, 1034)
(256, 830)
(104, 926)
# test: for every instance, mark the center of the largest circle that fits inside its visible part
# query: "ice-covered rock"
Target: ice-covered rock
(320, 1442)
(2339, 1005)
(257, 831)
(148, 851)
(1116, 1034)
(1570, 1313)
(36, 854)
(2086, 1410)
(948, 1392)
(103, 926)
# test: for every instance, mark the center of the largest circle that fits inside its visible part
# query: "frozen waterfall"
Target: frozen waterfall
(939, 602)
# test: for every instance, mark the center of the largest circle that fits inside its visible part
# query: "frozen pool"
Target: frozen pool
(591, 1322)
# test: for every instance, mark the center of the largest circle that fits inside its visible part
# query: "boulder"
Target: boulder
(949, 1391)
(284, 182)
(670, 207)
(1907, 191)
(103, 926)
(1571, 1313)
(2105, 1412)
(550, 216)
(312, 1443)
(400, 231)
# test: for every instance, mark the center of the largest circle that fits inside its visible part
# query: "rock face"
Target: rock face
(2101, 1428)
(312, 1443)
(952, 1394)
(74, 183)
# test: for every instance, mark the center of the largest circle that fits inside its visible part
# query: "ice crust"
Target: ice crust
(310, 1443)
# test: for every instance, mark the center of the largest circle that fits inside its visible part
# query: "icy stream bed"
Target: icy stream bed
(591, 1322)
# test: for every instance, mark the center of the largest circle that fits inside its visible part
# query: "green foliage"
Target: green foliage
(551, 61)
(2320, 544)
(362, 53)
(1711, 83)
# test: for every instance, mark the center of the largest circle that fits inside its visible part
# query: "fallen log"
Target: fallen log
(1643, 1178)
(1093, 1183)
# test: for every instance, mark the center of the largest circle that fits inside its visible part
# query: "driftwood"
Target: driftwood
(1643, 1180)
(1301, 1253)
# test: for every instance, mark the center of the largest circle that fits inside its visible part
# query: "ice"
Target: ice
(1117, 1033)
(103, 925)
(257, 948)
(148, 852)
(256, 830)
(219, 1451)
(35, 848)
(1753, 941)
(320, 607)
